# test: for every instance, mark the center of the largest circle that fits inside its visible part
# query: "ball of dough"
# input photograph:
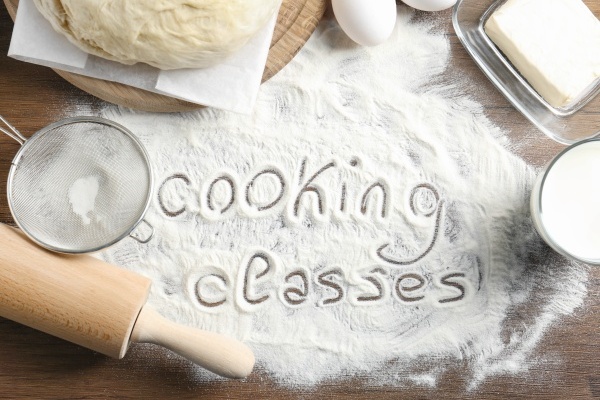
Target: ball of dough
(166, 34)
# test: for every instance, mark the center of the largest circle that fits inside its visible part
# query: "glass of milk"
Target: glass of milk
(565, 202)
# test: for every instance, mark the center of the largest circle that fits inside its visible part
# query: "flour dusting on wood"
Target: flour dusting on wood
(360, 222)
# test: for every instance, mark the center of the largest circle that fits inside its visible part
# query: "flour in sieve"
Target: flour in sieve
(358, 223)
(82, 197)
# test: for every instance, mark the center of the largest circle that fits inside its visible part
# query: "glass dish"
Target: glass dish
(581, 120)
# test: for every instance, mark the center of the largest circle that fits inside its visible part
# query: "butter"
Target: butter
(554, 44)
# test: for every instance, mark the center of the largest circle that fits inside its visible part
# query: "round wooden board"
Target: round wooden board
(296, 21)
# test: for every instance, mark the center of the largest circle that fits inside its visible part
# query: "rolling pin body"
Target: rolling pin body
(99, 306)
(77, 298)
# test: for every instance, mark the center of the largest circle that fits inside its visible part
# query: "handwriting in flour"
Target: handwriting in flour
(424, 200)
(322, 193)
(269, 190)
(219, 194)
(256, 284)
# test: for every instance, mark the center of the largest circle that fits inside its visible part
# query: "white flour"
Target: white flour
(357, 224)
(82, 197)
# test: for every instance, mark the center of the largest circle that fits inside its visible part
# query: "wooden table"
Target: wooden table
(35, 365)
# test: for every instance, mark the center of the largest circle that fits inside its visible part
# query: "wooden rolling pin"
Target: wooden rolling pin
(99, 306)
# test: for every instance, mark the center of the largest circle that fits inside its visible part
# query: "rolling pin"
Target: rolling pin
(99, 306)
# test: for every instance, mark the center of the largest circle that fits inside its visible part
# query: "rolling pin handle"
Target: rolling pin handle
(217, 353)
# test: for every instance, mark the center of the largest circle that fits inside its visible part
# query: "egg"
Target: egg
(367, 22)
(430, 5)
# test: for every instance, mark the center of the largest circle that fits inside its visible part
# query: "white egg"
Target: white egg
(430, 5)
(367, 22)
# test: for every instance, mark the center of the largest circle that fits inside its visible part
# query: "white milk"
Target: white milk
(565, 202)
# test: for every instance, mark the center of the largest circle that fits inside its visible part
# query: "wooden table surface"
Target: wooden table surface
(35, 365)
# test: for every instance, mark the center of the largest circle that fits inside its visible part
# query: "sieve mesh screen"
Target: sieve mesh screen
(79, 185)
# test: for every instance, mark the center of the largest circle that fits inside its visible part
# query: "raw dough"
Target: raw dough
(167, 34)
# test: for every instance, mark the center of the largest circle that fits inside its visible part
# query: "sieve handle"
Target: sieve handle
(142, 240)
(12, 131)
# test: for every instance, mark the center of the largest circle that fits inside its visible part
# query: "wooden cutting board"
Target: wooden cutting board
(296, 21)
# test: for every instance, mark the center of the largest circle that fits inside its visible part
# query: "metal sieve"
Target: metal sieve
(79, 185)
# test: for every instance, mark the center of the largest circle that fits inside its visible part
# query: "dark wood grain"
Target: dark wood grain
(35, 365)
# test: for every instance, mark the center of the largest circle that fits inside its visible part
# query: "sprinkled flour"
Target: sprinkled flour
(82, 197)
(358, 223)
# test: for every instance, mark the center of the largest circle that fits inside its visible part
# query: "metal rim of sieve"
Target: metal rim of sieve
(24, 142)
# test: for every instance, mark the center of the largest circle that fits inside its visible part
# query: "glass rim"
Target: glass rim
(539, 210)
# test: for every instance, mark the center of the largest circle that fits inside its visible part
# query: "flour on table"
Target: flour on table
(361, 222)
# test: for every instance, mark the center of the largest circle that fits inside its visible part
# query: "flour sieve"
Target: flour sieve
(79, 185)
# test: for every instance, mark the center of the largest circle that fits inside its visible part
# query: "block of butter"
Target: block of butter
(554, 44)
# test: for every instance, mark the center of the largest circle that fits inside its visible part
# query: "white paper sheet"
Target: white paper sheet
(231, 85)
